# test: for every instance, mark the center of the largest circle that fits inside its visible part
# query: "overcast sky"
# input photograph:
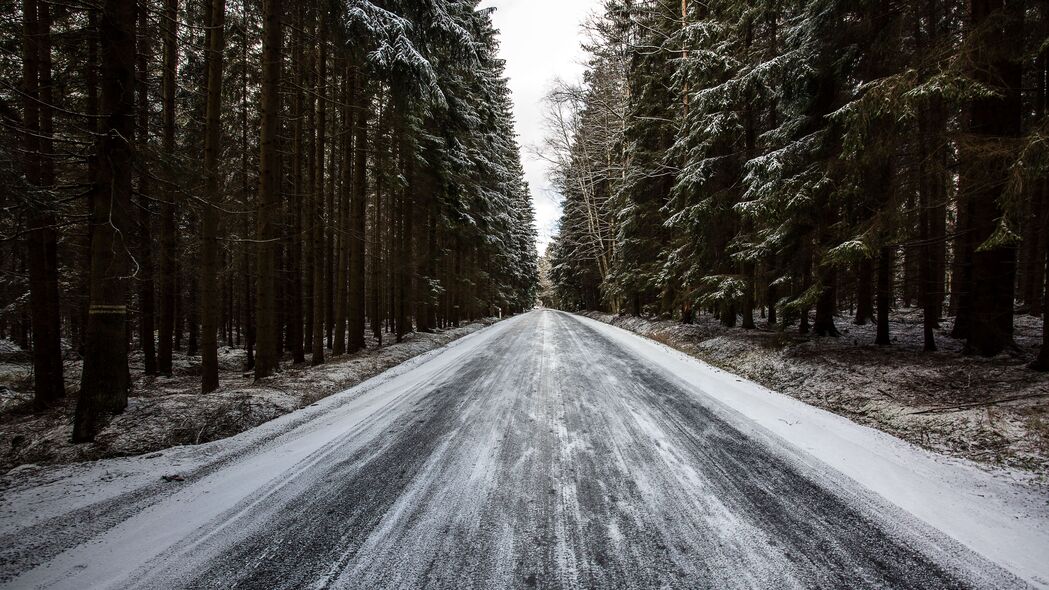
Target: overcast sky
(539, 39)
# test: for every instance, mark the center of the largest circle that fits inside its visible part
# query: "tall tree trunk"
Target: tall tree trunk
(961, 270)
(330, 224)
(105, 380)
(402, 217)
(168, 208)
(1040, 190)
(1042, 74)
(246, 321)
(375, 245)
(92, 106)
(357, 216)
(342, 240)
(209, 299)
(41, 242)
(297, 319)
(993, 121)
(929, 291)
(939, 179)
(146, 320)
(317, 213)
(267, 355)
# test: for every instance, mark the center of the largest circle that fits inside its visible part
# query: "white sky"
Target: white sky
(540, 41)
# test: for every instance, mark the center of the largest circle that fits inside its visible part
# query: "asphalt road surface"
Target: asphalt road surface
(543, 455)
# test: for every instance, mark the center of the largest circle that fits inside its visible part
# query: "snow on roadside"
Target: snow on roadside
(938, 401)
(164, 412)
(38, 503)
(1002, 514)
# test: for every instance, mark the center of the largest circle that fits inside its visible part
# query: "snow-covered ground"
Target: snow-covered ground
(547, 450)
(993, 411)
(168, 411)
(1002, 513)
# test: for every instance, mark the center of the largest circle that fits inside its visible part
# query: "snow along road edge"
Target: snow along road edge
(993, 514)
(997, 514)
(47, 510)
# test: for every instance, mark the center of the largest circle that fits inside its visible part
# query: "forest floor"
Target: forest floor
(164, 412)
(994, 411)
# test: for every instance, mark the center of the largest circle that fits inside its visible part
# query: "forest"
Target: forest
(283, 177)
(809, 162)
(510, 294)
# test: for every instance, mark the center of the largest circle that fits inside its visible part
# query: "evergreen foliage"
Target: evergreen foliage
(800, 158)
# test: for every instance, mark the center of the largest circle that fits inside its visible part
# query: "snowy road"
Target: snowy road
(544, 452)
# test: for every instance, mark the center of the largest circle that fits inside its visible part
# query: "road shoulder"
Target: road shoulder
(1000, 513)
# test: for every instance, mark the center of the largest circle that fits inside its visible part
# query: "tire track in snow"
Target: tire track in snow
(551, 457)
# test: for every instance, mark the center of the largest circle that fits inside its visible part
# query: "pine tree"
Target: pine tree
(105, 381)
(267, 357)
(209, 215)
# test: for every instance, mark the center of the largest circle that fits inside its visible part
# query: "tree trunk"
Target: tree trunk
(748, 296)
(105, 380)
(41, 242)
(404, 266)
(317, 237)
(342, 238)
(330, 225)
(375, 310)
(296, 303)
(992, 121)
(209, 299)
(91, 81)
(146, 320)
(885, 264)
(823, 324)
(864, 292)
(929, 293)
(1040, 190)
(770, 289)
(193, 315)
(267, 232)
(806, 282)
(168, 243)
(357, 215)
(961, 271)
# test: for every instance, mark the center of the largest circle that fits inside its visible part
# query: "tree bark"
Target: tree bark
(748, 296)
(105, 380)
(168, 208)
(342, 240)
(41, 239)
(864, 292)
(267, 355)
(146, 320)
(823, 324)
(209, 299)
(317, 209)
(993, 121)
(375, 286)
(358, 211)
(885, 264)
(930, 293)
